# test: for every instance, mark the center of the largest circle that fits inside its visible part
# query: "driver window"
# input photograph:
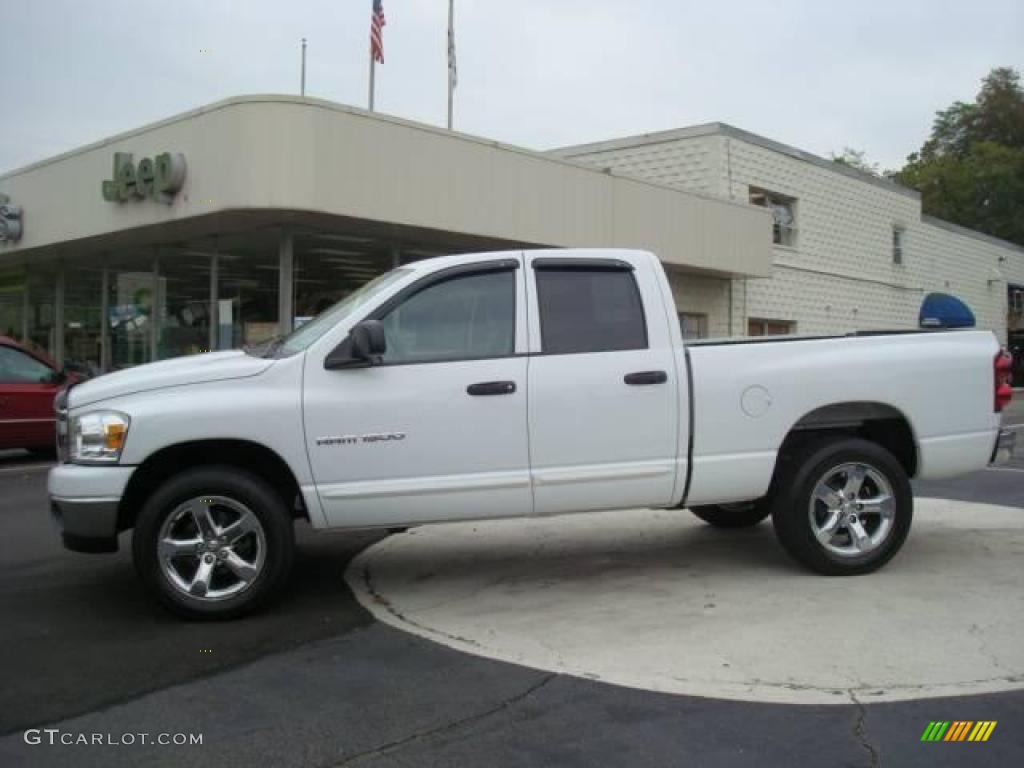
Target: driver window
(464, 318)
(18, 368)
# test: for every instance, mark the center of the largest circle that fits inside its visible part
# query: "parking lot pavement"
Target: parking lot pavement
(79, 633)
(316, 682)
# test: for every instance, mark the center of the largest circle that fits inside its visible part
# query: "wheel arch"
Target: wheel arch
(877, 422)
(243, 454)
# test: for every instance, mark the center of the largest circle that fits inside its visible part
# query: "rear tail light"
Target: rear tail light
(1002, 365)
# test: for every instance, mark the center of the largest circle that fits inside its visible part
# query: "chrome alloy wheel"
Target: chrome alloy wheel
(852, 509)
(211, 548)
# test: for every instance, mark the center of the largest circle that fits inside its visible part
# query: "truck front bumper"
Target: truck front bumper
(84, 503)
(1006, 443)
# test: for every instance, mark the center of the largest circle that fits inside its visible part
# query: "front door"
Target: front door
(27, 388)
(438, 430)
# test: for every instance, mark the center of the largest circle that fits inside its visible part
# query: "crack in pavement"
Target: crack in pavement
(387, 605)
(860, 730)
(447, 727)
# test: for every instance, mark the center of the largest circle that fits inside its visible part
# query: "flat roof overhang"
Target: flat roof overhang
(277, 160)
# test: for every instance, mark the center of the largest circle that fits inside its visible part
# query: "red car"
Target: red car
(28, 383)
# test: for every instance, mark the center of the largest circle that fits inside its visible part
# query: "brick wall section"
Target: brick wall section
(840, 275)
(703, 295)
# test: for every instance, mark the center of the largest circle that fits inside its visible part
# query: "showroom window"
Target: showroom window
(693, 325)
(783, 210)
(464, 318)
(589, 310)
(758, 327)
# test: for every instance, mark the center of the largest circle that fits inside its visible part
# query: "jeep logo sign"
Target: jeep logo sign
(158, 178)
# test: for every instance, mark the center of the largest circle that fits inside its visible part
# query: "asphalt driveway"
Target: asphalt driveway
(317, 682)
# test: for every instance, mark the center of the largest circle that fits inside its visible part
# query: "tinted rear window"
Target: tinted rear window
(583, 310)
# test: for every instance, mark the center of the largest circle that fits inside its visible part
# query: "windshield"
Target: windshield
(302, 337)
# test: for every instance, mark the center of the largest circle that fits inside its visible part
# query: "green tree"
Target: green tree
(971, 169)
(855, 158)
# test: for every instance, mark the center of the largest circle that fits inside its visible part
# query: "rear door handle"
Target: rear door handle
(492, 388)
(645, 377)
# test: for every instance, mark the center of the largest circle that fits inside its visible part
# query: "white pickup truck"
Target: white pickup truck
(514, 384)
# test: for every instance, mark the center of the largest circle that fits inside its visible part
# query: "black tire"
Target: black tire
(47, 453)
(238, 487)
(799, 477)
(743, 515)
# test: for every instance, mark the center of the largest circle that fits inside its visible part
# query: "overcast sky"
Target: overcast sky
(538, 73)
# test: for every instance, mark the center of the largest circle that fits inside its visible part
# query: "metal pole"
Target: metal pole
(105, 321)
(303, 88)
(451, 59)
(154, 311)
(371, 81)
(213, 320)
(286, 283)
(58, 317)
(25, 307)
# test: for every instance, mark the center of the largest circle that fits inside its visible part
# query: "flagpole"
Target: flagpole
(302, 90)
(371, 80)
(451, 43)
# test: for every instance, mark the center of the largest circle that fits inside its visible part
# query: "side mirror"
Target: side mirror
(368, 341)
(365, 345)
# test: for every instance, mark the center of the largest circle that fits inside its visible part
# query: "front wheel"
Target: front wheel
(844, 506)
(214, 543)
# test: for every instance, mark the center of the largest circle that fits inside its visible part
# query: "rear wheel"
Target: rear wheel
(844, 506)
(742, 515)
(214, 542)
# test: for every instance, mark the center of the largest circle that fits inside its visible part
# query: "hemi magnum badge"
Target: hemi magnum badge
(376, 437)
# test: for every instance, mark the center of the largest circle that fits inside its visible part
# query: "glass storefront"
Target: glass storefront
(328, 267)
(134, 305)
(132, 292)
(83, 318)
(247, 293)
(41, 288)
(184, 311)
(13, 307)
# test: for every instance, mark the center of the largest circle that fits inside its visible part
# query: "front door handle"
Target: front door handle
(492, 388)
(642, 378)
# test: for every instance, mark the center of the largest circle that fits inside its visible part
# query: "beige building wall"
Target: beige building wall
(295, 154)
(839, 276)
(701, 295)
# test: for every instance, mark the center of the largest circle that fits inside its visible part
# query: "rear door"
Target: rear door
(604, 395)
(27, 389)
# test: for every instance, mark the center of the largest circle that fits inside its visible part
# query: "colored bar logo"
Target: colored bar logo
(958, 730)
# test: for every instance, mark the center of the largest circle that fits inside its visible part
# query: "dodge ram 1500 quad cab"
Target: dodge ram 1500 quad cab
(514, 384)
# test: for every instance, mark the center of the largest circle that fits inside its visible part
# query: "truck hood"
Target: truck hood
(194, 369)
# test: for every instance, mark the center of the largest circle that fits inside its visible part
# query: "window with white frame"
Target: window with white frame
(897, 244)
(783, 210)
(693, 325)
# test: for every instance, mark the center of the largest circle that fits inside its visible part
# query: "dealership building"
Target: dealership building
(235, 222)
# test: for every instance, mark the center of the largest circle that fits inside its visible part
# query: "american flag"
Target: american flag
(377, 32)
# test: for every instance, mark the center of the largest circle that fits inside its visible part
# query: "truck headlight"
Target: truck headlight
(98, 437)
